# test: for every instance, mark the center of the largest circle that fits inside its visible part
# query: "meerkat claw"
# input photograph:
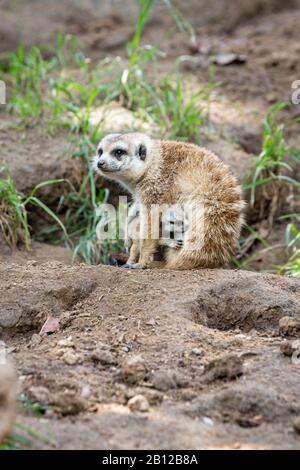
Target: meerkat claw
(178, 244)
(140, 266)
(127, 266)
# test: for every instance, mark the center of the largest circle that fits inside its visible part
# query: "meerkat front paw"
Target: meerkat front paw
(140, 266)
(175, 244)
(135, 266)
(127, 265)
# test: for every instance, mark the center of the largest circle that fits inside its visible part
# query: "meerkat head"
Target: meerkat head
(123, 157)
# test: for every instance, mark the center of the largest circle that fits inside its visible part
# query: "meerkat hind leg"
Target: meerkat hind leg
(147, 251)
(133, 255)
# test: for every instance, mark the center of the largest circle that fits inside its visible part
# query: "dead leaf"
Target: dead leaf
(152, 322)
(50, 326)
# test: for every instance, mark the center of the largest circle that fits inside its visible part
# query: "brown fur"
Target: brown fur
(179, 173)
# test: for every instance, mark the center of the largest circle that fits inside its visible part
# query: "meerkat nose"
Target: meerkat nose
(100, 164)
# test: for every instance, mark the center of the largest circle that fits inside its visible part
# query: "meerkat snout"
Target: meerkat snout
(100, 164)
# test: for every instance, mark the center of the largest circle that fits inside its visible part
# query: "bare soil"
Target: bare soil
(202, 347)
(211, 351)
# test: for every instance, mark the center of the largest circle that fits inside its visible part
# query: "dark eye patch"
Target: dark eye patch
(118, 152)
(142, 151)
(100, 151)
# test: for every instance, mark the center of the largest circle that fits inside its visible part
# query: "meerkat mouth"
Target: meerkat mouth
(109, 171)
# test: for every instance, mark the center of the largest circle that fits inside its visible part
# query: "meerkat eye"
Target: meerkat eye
(100, 151)
(119, 152)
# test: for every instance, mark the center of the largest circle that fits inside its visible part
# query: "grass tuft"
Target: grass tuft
(292, 239)
(272, 160)
(14, 224)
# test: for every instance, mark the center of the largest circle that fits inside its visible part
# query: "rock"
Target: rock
(66, 343)
(296, 424)
(7, 399)
(180, 379)
(65, 320)
(154, 397)
(289, 326)
(163, 380)
(71, 358)
(248, 404)
(68, 403)
(208, 421)
(188, 394)
(39, 394)
(138, 403)
(103, 357)
(134, 369)
(35, 340)
(197, 352)
(229, 58)
(112, 117)
(288, 348)
(227, 367)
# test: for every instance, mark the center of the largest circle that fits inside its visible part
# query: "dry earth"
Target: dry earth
(208, 351)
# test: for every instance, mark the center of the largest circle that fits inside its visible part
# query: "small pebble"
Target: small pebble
(35, 340)
(289, 326)
(197, 352)
(66, 343)
(70, 358)
(134, 369)
(227, 367)
(289, 347)
(103, 357)
(138, 403)
(39, 394)
(208, 421)
(163, 380)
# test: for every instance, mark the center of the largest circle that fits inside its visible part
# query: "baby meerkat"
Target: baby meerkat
(171, 229)
(167, 174)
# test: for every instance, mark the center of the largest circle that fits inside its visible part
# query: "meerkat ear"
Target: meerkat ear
(142, 152)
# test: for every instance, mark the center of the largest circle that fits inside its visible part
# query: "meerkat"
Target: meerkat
(165, 173)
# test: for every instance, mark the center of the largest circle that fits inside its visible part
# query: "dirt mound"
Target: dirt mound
(29, 297)
(39, 253)
(259, 302)
(248, 406)
(246, 301)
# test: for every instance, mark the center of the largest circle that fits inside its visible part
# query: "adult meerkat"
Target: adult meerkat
(166, 173)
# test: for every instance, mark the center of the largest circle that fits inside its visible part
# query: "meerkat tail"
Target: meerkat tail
(189, 260)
